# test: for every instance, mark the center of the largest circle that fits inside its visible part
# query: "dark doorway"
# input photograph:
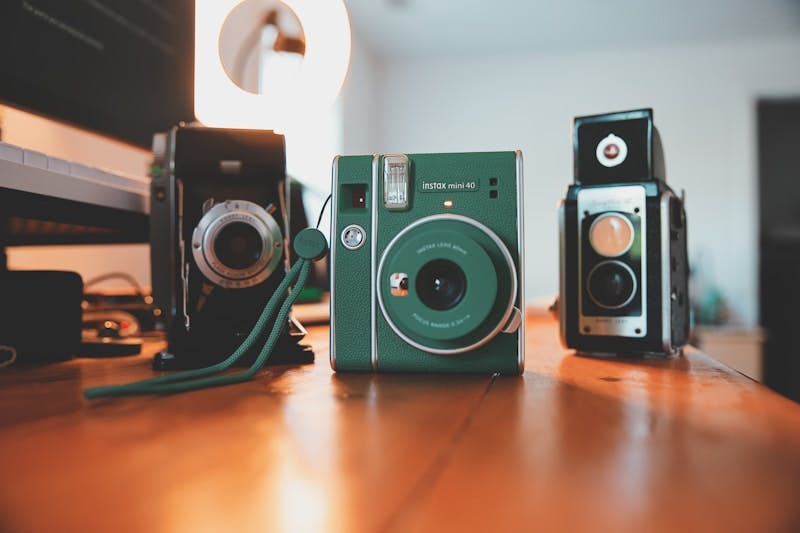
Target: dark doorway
(779, 206)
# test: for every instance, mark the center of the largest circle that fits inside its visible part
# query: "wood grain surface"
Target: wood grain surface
(575, 444)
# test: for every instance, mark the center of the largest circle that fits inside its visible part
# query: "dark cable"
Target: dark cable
(116, 275)
(322, 211)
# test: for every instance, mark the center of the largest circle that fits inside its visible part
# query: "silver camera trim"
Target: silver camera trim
(509, 306)
(217, 218)
(624, 199)
(332, 257)
(666, 277)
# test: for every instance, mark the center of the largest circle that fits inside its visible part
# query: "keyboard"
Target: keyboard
(33, 172)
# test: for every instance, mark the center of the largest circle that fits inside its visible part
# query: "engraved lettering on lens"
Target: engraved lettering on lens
(611, 234)
(441, 284)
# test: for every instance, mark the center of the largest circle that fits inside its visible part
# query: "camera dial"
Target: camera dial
(237, 244)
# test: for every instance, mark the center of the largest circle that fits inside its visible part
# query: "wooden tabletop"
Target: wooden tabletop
(575, 444)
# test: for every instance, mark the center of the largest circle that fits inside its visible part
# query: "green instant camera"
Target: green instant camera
(426, 262)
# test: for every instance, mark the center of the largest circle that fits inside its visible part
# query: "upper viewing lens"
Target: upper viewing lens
(611, 235)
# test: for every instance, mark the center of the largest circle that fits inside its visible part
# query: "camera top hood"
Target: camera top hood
(619, 147)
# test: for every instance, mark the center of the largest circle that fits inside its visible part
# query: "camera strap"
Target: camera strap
(310, 245)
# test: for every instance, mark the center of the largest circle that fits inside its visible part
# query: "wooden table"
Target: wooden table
(575, 444)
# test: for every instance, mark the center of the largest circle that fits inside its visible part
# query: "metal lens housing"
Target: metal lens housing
(611, 284)
(237, 244)
(611, 234)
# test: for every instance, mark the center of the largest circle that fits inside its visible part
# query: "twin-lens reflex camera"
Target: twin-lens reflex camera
(624, 268)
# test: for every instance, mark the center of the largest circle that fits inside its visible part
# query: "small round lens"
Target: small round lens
(611, 284)
(611, 235)
(238, 245)
(611, 151)
(441, 284)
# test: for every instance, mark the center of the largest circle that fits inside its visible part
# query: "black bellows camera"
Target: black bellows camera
(219, 241)
(624, 267)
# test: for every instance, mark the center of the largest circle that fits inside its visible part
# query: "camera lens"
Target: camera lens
(611, 284)
(611, 151)
(238, 245)
(441, 284)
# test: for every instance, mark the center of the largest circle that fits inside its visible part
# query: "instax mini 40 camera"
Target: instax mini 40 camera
(427, 263)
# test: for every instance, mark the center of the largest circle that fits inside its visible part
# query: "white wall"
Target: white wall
(703, 97)
(359, 101)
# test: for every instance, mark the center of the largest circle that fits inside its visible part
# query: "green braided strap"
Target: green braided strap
(204, 377)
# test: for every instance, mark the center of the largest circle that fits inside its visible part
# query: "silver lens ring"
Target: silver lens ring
(509, 305)
(215, 221)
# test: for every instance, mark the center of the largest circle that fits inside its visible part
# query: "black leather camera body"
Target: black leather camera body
(219, 234)
(624, 268)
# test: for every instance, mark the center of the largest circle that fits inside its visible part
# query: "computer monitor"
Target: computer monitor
(121, 68)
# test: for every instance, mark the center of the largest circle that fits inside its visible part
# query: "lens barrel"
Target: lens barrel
(238, 245)
(441, 284)
(611, 284)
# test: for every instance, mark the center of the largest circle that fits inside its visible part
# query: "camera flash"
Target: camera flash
(395, 182)
(448, 203)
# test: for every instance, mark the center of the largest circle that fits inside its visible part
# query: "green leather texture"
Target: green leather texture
(310, 244)
(350, 269)
(482, 186)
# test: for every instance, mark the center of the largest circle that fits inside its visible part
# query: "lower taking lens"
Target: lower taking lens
(441, 284)
(611, 284)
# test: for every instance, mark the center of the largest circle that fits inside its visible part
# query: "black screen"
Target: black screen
(120, 67)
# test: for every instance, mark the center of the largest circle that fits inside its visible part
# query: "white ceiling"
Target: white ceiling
(414, 28)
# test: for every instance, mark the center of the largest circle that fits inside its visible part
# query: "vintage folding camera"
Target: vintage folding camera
(219, 233)
(624, 268)
(426, 262)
